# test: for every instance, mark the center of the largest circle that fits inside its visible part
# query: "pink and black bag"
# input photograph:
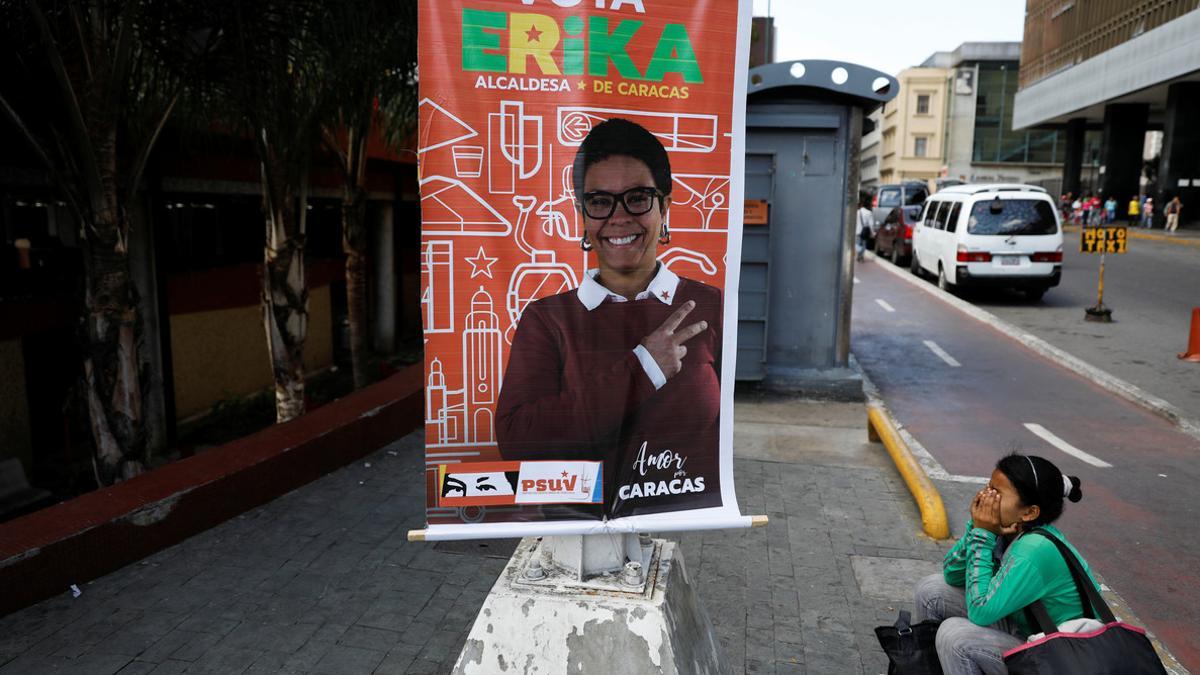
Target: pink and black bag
(1117, 649)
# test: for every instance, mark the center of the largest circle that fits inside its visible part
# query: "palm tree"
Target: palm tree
(89, 85)
(271, 73)
(374, 44)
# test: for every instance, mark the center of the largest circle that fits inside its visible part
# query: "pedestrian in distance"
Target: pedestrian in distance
(864, 229)
(1110, 210)
(998, 568)
(1148, 213)
(1174, 208)
(1077, 211)
(1086, 215)
(1133, 211)
(1095, 210)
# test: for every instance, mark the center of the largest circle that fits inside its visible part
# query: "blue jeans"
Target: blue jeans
(860, 246)
(963, 647)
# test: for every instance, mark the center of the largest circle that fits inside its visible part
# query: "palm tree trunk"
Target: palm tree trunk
(285, 294)
(354, 245)
(111, 365)
(354, 210)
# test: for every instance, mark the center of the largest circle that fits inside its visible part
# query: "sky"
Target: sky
(887, 35)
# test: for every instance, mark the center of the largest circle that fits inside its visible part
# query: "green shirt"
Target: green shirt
(1031, 569)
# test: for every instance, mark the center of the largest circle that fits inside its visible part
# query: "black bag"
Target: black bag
(910, 648)
(1117, 649)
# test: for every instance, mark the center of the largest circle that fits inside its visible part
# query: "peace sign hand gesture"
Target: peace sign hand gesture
(665, 344)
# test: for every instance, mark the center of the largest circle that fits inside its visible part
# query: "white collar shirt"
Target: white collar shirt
(662, 287)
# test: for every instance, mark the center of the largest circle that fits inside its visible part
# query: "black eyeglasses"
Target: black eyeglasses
(601, 205)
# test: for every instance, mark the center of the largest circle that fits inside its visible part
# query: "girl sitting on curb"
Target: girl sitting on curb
(993, 572)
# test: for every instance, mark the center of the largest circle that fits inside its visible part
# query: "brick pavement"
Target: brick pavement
(322, 579)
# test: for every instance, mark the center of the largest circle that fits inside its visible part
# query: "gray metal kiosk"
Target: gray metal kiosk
(803, 133)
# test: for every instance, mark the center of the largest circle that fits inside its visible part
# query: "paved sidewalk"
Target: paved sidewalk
(322, 579)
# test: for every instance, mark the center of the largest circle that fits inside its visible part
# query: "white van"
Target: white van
(990, 235)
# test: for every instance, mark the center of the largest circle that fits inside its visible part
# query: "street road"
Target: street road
(970, 394)
(1151, 290)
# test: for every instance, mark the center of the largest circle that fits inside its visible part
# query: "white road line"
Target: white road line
(857, 281)
(883, 304)
(941, 353)
(1066, 447)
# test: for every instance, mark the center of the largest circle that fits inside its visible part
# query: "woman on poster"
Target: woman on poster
(626, 368)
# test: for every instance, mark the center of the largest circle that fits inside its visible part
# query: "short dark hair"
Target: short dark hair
(1039, 482)
(619, 136)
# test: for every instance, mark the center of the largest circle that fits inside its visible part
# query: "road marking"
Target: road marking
(1066, 447)
(884, 305)
(941, 353)
(857, 281)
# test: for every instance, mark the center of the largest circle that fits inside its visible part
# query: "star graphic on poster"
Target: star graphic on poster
(564, 474)
(582, 85)
(666, 295)
(533, 34)
(481, 264)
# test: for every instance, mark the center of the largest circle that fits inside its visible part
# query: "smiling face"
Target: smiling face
(625, 244)
(1011, 509)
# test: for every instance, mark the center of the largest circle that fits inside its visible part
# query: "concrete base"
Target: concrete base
(552, 625)
(826, 384)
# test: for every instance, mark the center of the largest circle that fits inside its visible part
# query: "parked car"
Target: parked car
(896, 207)
(1004, 235)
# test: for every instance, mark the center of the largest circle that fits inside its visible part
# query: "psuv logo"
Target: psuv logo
(508, 483)
(559, 483)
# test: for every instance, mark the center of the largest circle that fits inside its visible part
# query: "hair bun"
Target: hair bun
(1075, 494)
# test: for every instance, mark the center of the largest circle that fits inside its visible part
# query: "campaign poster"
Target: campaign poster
(579, 257)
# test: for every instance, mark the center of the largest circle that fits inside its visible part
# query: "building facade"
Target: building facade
(1117, 71)
(981, 145)
(868, 167)
(914, 127)
(196, 250)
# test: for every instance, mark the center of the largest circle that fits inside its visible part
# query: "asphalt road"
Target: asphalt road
(1137, 524)
(1151, 290)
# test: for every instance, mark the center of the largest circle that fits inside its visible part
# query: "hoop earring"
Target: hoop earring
(665, 237)
(585, 243)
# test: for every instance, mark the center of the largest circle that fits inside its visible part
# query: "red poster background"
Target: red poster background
(499, 224)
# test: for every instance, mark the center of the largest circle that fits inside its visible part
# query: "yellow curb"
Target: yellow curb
(1135, 233)
(929, 501)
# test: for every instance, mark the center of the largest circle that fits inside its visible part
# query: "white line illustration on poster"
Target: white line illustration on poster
(440, 127)
(678, 254)
(468, 160)
(702, 197)
(481, 264)
(437, 284)
(469, 215)
(463, 416)
(514, 146)
(541, 276)
(554, 221)
(678, 132)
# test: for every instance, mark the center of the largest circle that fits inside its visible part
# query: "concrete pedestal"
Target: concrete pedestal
(539, 618)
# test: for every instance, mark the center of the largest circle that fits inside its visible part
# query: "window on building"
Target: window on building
(994, 137)
(923, 104)
(920, 146)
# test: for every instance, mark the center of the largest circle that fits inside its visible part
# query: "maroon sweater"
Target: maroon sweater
(574, 389)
